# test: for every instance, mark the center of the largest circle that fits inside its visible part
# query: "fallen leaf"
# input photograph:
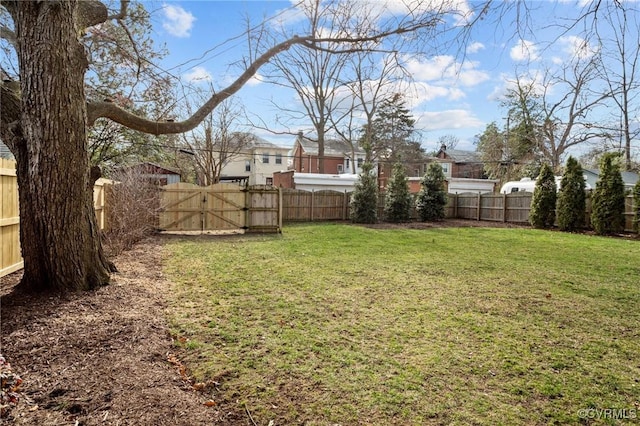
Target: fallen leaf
(210, 403)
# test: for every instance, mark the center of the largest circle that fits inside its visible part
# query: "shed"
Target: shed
(158, 175)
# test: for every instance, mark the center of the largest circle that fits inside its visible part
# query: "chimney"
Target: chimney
(443, 147)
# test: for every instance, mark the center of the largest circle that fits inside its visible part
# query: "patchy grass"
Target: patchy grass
(338, 324)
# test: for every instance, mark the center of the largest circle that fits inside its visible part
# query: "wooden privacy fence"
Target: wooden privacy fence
(304, 206)
(10, 257)
(513, 208)
(219, 207)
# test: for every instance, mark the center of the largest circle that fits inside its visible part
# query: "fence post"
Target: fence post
(345, 205)
(504, 207)
(455, 205)
(280, 214)
(479, 203)
(312, 202)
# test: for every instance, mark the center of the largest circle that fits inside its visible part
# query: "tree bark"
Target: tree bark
(59, 235)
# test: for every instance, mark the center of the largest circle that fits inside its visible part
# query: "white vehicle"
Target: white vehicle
(528, 185)
(523, 185)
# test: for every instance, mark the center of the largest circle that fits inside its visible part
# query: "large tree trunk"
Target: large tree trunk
(58, 230)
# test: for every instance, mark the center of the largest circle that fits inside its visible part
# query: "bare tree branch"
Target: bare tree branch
(124, 4)
(90, 13)
(8, 35)
(110, 110)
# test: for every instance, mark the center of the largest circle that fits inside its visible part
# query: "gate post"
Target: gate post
(280, 209)
(247, 208)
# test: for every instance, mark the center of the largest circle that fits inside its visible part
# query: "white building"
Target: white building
(257, 162)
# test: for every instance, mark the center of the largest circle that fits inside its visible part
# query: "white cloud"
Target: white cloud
(177, 21)
(290, 16)
(197, 74)
(577, 47)
(422, 92)
(445, 69)
(534, 78)
(255, 80)
(475, 47)
(375, 10)
(524, 50)
(448, 120)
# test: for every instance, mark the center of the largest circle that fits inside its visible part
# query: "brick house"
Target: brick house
(457, 163)
(339, 157)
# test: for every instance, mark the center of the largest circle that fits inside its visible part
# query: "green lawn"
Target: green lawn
(339, 324)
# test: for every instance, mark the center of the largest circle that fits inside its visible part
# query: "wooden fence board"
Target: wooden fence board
(10, 254)
(263, 209)
(329, 205)
(301, 205)
(220, 207)
(10, 257)
(224, 205)
(517, 207)
(628, 213)
(296, 205)
(181, 207)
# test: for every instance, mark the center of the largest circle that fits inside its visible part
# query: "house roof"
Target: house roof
(253, 142)
(461, 156)
(332, 147)
(592, 175)
(153, 168)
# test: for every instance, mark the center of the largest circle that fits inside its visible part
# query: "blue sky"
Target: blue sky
(450, 96)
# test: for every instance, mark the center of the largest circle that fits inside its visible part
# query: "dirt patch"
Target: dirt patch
(103, 357)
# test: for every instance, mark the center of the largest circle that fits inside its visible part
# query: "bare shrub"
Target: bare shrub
(133, 204)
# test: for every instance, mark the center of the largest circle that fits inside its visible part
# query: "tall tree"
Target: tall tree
(397, 201)
(515, 151)
(122, 67)
(217, 142)
(392, 134)
(364, 200)
(567, 121)
(543, 204)
(571, 197)
(619, 34)
(607, 202)
(370, 78)
(314, 76)
(499, 155)
(432, 198)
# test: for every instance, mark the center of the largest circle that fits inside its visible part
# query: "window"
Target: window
(247, 165)
(348, 163)
(340, 168)
(269, 181)
(445, 168)
(360, 161)
(265, 158)
(278, 158)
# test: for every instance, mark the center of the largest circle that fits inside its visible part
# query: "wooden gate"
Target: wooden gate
(219, 207)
